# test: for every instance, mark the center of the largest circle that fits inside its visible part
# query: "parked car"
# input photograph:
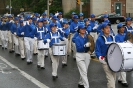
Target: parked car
(113, 18)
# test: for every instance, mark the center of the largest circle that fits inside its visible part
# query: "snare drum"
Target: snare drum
(42, 46)
(120, 57)
(59, 49)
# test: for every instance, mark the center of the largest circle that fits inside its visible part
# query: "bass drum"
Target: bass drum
(92, 47)
(120, 57)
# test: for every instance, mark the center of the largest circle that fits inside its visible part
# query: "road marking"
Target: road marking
(29, 77)
(3, 66)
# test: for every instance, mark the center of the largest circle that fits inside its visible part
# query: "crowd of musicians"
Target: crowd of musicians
(22, 34)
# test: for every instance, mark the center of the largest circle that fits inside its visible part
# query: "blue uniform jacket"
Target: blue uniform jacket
(80, 42)
(100, 47)
(50, 36)
(40, 35)
(19, 31)
(14, 28)
(120, 37)
(28, 29)
(74, 27)
(66, 32)
(128, 28)
(92, 24)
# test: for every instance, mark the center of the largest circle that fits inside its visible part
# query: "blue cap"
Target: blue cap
(34, 18)
(92, 16)
(60, 13)
(37, 14)
(65, 22)
(40, 20)
(105, 16)
(81, 14)
(107, 21)
(81, 27)
(10, 16)
(19, 17)
(51, 14)
(52, 25)
(128, 19)
(21, 21)
(120, 25)
(54, 17)
(75, 17)
(28, 17)
(73, 13)
(45, 19)
(104, 25)
(16, 18)
(86, 19)
(44, 14)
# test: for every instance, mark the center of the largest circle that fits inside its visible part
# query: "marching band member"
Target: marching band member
(10, 35)
(65, 32)
(94, 26)
(21, 40)
(4, 37)
(73, 29)
(88, 27)
(28, 38)
(101, 50)
(60, 18)
(53, 37)
(128, 27)
(34, 19)
(40, 33)
(82, 56)
(120, 37)
(72, 19)
(37, 15)
(81, 19)
(14, 29)
(55, 21)
(46, 26)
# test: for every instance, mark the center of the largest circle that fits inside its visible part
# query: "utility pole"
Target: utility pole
(81, 7)
(48, 8)
(10, 7)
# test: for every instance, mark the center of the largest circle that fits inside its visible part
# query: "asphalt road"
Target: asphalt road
(15, 73)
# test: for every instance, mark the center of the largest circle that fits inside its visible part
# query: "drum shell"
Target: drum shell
(120, 57)
(42, 46)
(59, 49)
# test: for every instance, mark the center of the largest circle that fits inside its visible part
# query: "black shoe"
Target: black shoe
(119, 81)
(74, 58)
(46, 55)
(2, 47)
(125, 84)
(55, 77)
(80, 86)
(42, 68)
(23, 58)
(63, 65)
(17, 54)
(35, 53)
(28, 63)
(10, 51)
(38, 66)
(31, 62)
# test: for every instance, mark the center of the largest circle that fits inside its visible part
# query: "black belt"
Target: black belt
(83, 52)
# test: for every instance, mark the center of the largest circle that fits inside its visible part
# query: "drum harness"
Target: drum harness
(106, 42)
(55, 37)
(129, 30)
(41, 32)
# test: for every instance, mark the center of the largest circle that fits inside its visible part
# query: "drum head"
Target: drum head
(91, 40)
(114, 57)
(59, 44)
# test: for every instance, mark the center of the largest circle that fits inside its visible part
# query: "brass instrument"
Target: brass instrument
(130, 37)
(92, 47)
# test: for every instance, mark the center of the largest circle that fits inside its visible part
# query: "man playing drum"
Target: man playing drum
(51, 38)
(120, 37)
(82, 56)
(102, 45)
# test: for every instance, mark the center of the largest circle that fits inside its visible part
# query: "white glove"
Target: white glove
(15, 33)
(27, 22)
(35, 38)
(64, 38)
(22, 33)
(95, 27)
(48, 40)
(88, 44)
(102, 60)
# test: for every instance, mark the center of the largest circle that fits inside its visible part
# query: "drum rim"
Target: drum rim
(107, 57)
(58, 44)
